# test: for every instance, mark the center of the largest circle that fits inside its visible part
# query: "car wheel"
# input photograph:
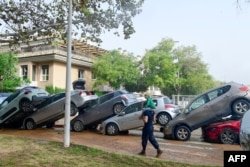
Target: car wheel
(228, 136)
(78, 126)
(163, 119)
(73, 109)
(50, 125)
(30, 124)
(240, 106)
(182, 133)
(112, 129)
(26, 105)
(117, 108)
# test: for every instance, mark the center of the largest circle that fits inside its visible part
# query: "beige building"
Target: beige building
(45, 64)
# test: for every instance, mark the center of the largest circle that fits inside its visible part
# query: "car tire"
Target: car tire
(112, 129)
(182, 133)
(78, 126)
(240, 106)
(117, 108)
(163, 118)
(228, 136)
(73, 109)
(30, 124)
(26, 105)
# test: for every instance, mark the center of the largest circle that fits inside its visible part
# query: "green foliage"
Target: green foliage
(115, 69)
(8, 72)
(24, 20)
(54, 90)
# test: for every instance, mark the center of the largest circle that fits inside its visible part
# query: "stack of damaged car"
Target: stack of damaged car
(229, 99)
(20, 104)
(53, 109)
(102, 108)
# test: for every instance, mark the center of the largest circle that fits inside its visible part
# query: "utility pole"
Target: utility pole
(68, 80)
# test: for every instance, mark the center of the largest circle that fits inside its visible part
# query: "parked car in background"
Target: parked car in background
(53, 109)
(165, 109)
(102, 108)
(3, 96)
(245, 132)
(21, 103)
(229, 99)
(225, 131)
(124, 121)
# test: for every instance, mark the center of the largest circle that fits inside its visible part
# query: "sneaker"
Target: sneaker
(142, 153)
(159, 152)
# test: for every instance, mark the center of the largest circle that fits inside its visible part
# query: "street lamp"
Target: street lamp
(68, 80)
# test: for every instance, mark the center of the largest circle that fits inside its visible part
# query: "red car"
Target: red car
(226, 132)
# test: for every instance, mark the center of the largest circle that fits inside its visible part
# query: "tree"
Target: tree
(24, 20)
(158, 67)
(115, 69)
(8, 72)
(176, 70)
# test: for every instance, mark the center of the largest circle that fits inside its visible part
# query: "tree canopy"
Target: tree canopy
(115, 69)
(24, 20)
(8, 72)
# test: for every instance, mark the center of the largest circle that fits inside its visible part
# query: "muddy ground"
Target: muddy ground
(194, 151)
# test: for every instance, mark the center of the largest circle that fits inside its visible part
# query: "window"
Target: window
(80, 74)
(24, 71)
(34, 73)
(93, 76)
(198, 102)
(45, 73)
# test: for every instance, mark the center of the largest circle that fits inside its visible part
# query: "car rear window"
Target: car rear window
(167, 100)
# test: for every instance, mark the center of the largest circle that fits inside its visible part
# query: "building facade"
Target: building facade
(44, 64)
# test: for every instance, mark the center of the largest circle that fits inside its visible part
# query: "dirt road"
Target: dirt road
(192, 152)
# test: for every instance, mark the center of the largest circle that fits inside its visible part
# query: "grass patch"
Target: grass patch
(31, 153)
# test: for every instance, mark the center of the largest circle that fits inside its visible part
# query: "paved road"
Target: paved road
(193, 152)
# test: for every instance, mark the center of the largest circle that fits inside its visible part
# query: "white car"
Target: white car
(165, 109)
(245, 132)
(21, 103)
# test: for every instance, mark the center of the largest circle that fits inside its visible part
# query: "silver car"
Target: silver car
(245, 132)
(165, 109)
(126, 120)
(102, 108)
(229, 99)
(53, 109)
(21, 103)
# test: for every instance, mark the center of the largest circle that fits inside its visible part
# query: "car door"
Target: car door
(219, 101)
(51, 110)
(9, 106)
(131, 118)
(199, 112)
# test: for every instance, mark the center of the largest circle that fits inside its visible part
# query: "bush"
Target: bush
(54, 90)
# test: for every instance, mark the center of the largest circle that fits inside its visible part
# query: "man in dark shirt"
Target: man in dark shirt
(148, 129)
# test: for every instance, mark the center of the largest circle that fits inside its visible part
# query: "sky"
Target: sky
(219, 29)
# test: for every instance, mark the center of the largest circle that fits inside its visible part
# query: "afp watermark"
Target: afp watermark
(236, 158)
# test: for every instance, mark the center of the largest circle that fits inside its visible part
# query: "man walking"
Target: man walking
(148, 129)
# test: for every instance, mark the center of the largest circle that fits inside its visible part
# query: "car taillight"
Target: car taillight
(244, 88)
(168, 106)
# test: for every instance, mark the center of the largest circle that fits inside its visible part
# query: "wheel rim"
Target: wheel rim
(163, 119)
(111, 129)
(241, 107)
(78, 126)
(30, 125)
(182, 133)
(227, 137)
(26, 106)
(73, 110)
(118, 108)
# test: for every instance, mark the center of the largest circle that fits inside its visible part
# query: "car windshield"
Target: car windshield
(10, 98)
